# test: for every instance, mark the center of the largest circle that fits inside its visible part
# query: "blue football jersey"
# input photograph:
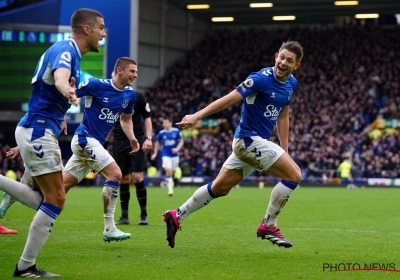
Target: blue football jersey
(169, 140)
(47, 106)
(103, 105)
(264, 97)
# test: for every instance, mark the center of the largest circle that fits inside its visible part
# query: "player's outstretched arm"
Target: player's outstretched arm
(127, 127)
(64, 86)
(218, 105)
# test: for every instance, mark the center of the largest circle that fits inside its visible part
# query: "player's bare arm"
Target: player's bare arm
(148, 144)
(218, 105)
(282, 126)
(66, 88)
(179, 147)
(156, 149)
(64, 125)
(127, 127)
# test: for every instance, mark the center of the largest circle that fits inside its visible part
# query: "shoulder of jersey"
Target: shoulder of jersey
(266, 72)
(162, 131)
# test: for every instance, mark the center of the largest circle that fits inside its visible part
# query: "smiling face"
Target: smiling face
(96, 33)
(127, 75)
(285, 63)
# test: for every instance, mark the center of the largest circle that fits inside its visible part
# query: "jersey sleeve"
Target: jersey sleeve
(144, 107)
(62, 57)
(132, 100)
(179, 135)
(250, 85)
(294, 83)
(86, 88)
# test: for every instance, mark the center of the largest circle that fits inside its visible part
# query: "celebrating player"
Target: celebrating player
(53, 92)
(106, 100)
(267, 95)
(171, 140)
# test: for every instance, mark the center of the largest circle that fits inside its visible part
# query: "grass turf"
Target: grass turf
(326, 225)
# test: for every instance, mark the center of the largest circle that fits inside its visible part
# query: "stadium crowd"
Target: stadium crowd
(348, 78)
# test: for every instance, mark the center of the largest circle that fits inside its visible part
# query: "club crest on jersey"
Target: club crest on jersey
(248, 83)
(125, 103)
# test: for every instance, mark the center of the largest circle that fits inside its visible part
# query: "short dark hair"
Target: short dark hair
(293, 47)
(123, 62)
(83, 16)
(167, 119)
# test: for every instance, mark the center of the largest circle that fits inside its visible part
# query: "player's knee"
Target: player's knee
(222, 190)
(117, 176)
(296, 176)
(57, 198)
(137, 178)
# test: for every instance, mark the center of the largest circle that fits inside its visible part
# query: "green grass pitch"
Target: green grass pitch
(326, 225)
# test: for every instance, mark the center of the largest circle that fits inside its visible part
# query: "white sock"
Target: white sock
(21, 192)
(201, 197)
(39, 231)
(110, 194)
(279, 196)
(170, 184)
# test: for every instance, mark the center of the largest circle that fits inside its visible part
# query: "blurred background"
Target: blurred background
(345, 115)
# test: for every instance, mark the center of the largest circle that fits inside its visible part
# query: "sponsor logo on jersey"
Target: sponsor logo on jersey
(170, 142)
(147, 107)
(107, 114)
(272, 112)
(125, 103)
(242, 88)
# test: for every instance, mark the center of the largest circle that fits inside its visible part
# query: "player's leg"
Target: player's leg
(169, 173)
(138, 165)
(124, 196)
(113, 176)
(121, 149)
(231, 174)
(141, 195)
(90, 155)
(271, 158)
(8, 200)
(46, 169)
(18, 191)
